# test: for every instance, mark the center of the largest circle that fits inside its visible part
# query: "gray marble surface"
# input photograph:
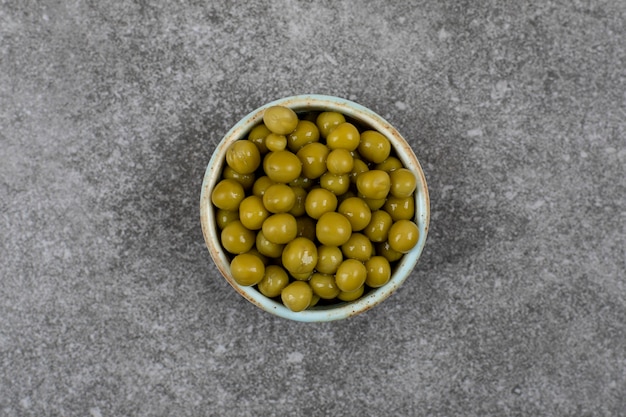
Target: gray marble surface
(111, 306)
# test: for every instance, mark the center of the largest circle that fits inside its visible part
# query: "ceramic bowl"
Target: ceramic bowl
(366, 117)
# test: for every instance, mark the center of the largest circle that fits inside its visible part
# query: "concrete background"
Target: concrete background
(111, 306)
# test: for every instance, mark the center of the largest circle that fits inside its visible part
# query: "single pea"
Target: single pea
(390, 164)
(243, 156)
(377, 229)
(373, 184)
(333, 229)
(267, 248)
(297, 296)
(274, 142)
(344, 136)
(306, 132)
(282, 166)
(350, 275)
(227, 194)
(351, 295)
(298, 208)
(236, 238)
(374, 146)
(337, 184)
(280, 120)
(319, 201)
(261, 184)
(313, 157)
(327, 121)
(328, 259)
(324, 286)
(403, 236)
(257, 136)
(279, 198)
(247, 269)
(339, 161)
(403, 183)
(223, 217)
(358, 247)
(306, 227)
(378, 271)
(400, 208)
(280, 228)
(384, 249)
(358, 168)
(246, 180)
(273, 281)
(357, 211)
(300, 256)
(252, 212)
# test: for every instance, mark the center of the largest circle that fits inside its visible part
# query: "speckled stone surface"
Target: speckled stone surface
(111, 306)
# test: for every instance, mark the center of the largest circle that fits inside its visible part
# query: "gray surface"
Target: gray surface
(110, 304)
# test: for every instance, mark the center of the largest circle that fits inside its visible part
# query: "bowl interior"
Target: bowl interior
(361, 115)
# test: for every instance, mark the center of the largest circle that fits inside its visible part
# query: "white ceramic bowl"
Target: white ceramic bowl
(304, 103)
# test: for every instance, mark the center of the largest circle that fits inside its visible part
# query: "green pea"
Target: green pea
(333, 229)
(400, 208)
(350, 275)
(324, 286)
(337, 184)
(236, 238)
(378, 271)
(378, 227)
(280, 120)
(328, 259)
(297, 296)
(247, 269)
(313, 157)
(374, 146)
(306, 132)
(403, 236)
(339, 162)
(403, 183)
(279, 198)
(280, 228)
(357, 211)
(282, 166)
(273, 281)
(243, 156)
(300, 256)
(227, 194)
(373, 184)
(358, 247)
(252, 212)
(344, 136)
(320, 201)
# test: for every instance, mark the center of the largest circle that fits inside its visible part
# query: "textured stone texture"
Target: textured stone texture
(110, 304)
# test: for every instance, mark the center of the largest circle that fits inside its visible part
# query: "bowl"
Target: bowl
(365, 117)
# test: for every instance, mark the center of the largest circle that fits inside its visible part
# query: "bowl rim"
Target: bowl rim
(313, 102)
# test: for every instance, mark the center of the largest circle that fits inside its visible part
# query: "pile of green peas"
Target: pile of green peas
(314, 208)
